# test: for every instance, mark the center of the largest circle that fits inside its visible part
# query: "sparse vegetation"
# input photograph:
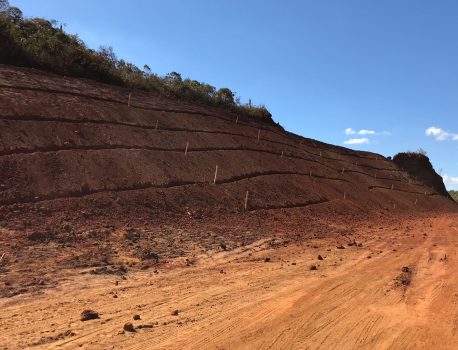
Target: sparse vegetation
(419, 154)
(454, 195)
(43, 44)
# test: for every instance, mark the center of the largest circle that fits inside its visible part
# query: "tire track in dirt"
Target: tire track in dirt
(347, 304)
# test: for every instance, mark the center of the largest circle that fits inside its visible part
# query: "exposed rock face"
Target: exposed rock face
(419, 167)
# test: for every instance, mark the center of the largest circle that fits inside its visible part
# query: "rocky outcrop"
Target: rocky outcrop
(419, 167)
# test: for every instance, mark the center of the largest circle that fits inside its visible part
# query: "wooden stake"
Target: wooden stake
(246, 200)
(375, 175)
(216, 174)
(394, 205)
(281, 154)
(128, 102)
(2, 257)
(259, 134)
(392, 186)
(416, 201)
(237, 120)
(186, 149)
(157, 124)
(343, 170)
(345, 195)
(320, 153)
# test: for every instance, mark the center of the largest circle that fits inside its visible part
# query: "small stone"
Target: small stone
(136, 317)
(89, 315)
(267, 260)
(175, 312)
(313, 268)
(319, 257)
(129, 327)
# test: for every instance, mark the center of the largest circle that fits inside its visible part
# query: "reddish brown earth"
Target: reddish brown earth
(92, 192)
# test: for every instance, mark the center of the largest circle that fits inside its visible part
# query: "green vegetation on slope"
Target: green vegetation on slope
(454, 195)
(42, 44)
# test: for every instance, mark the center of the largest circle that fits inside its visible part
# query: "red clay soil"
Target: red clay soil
(88, 181)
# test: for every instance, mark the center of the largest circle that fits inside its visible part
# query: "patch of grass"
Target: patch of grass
(454, 195)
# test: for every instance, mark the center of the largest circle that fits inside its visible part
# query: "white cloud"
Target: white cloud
(360, 141)
(366, 132)
(440, 134)
(450, 181)
(363, 132)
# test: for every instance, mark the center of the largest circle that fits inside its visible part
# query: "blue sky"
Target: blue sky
(372, 75)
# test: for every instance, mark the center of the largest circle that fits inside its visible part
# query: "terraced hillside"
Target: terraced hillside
(169, 218)
(67, 142)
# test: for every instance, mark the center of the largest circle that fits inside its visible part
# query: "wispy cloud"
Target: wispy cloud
(366, 132)
(440, 134)
(450, 182)
(351, 131)
(357, 141)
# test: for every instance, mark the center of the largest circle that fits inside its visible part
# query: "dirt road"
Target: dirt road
(358, 298)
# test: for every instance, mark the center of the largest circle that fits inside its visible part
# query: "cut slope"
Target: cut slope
(71, 143)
